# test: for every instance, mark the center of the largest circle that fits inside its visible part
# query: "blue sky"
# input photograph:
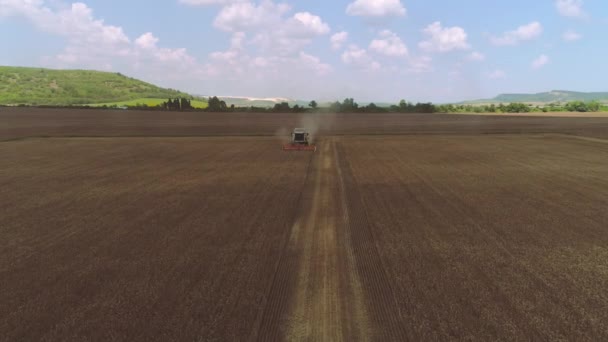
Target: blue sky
(372, 50)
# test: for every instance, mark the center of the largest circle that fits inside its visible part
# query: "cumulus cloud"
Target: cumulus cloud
(359, 58)
(271, 28)
(237, 65)
(306, 25)
(571, 36)
(540, 62)
(338, 40)
(209, 2)
(376, 8)
(91, 43)
(420, 64)
(243, 16)
(76, 22)
(497, 74)
(146, 41)
(476, 56)
(314, 63)
(527, 32)
(273, 45)
(389, 44)
(444, 39)
(570, 8)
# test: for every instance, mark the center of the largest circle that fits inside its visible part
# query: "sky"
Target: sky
(371, 50)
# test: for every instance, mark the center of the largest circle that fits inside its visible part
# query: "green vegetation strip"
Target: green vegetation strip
(147, 102)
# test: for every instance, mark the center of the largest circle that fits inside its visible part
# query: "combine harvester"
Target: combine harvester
(300, 141)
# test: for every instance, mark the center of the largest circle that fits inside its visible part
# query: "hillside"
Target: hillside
(547, 97)
(37, 86)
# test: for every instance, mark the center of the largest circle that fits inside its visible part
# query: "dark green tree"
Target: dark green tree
(282, 107)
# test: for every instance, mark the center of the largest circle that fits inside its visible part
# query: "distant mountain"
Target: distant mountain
(548, 97)
(37, 86)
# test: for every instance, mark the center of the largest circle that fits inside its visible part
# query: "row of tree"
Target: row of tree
(574, 106)
(350, 106)
(177, 104)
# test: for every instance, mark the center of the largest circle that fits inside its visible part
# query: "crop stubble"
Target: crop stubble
(490, 237)
(420, 237)
(141, 239)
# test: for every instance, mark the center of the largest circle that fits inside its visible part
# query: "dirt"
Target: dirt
(548, 114)
(141, 239)
(490, 238)
(19, 123)
(437, 230)
(325, 301)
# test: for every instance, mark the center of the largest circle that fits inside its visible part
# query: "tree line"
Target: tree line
(573, 106)
(177, 104)
(349, 105)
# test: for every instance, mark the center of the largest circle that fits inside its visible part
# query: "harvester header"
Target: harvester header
(300, 141)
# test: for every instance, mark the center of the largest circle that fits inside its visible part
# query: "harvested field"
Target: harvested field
(489, 238)
(549, 114)
(141, 239)
(18, 123)
(445, 228)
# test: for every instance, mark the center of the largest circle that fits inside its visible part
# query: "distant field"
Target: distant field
(150, 102)
(551, 114)
(18, 123)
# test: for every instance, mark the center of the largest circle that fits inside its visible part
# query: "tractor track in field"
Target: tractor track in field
(383, 308)
(317, 293)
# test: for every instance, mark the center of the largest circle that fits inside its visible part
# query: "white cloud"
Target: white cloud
(571, 36)
(238, 40)
(476, 56)
(314, 63)
(527, 32)
(338, 40)
(540, 62)
(273, 45)
(270, 27)
(305, 24)
(91, 43)
(359, 58)
(570, 8)
(76, 22)
(238, 65)
(497, 74)
(244, 16)
(389, 44)
(444, 39)
(421, 64)
(376, 8)
(146, 41)
(209, 2)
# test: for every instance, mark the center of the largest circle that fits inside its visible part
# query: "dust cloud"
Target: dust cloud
(315, 124)
(283, 134)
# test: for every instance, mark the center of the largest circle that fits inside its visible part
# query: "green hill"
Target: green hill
(36, 86)
(547, 97)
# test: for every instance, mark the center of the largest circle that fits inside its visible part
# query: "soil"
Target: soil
(118, 226)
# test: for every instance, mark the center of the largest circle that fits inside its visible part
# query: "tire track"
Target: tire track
(317, 294)
(382, 304)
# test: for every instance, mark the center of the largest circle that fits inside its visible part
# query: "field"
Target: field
(197, 227)
(148, 102)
